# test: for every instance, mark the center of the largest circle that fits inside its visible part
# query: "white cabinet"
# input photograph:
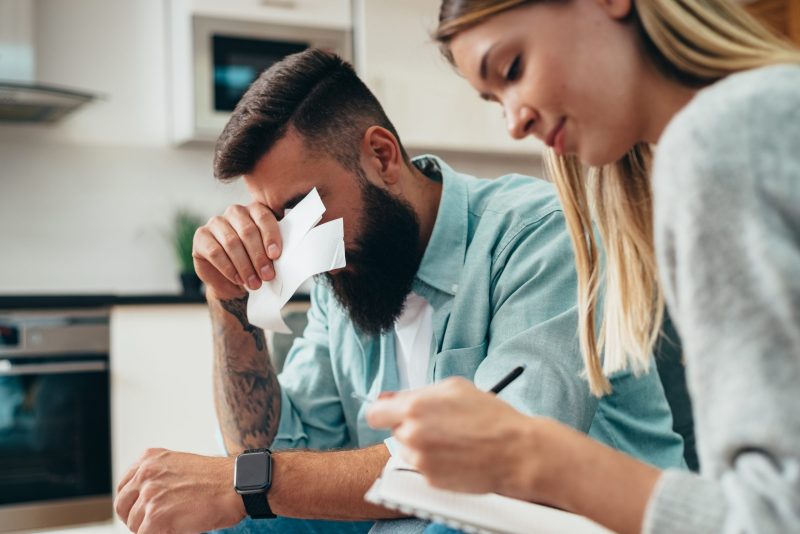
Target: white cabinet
(161, 390)
(303, 13)
(431, 106)
(161, 361)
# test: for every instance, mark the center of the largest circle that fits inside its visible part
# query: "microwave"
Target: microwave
(225, 55)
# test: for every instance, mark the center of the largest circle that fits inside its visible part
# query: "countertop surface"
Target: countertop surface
(38, 302)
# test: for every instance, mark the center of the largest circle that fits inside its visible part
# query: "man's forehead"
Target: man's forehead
(279, 192)
(287, 173)
(293, 154)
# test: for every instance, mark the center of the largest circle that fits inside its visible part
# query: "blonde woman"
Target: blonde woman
(711, 225)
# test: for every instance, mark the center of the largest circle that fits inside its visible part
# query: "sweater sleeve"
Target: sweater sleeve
(727, 223)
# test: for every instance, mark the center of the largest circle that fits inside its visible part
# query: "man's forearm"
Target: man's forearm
(246, 389)
(327, 485)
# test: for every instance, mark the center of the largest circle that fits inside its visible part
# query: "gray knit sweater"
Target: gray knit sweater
(726, 184)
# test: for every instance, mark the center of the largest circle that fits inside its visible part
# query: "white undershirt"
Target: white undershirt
(413, 339)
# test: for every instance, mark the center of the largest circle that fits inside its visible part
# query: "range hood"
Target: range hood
(22, 99)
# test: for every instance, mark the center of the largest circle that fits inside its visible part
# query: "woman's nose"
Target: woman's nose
(520, 121)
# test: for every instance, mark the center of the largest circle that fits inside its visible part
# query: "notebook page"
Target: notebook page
(408, 492)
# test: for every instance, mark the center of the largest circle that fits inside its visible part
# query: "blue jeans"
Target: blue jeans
(438, 528)
(284, 525)
(411, 525)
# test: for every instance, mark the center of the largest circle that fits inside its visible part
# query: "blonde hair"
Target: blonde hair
(695, 42)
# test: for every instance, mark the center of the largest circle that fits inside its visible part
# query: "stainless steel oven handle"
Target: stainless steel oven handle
(11, 369)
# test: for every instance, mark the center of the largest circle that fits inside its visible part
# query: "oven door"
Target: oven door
(55, 463)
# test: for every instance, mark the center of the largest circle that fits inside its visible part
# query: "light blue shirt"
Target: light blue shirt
(499, 273)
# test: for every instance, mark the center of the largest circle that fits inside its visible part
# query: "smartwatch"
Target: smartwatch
(252, 478)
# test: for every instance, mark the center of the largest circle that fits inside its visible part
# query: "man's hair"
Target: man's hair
(316, 93)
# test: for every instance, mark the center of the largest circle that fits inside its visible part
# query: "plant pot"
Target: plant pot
(191, 283)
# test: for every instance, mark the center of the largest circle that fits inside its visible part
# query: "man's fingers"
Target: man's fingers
(234, 248)
(216, 280)
(206, 247)
(241, 245)
(127, 478)
(267, 224)
(125, 500)
(149, 526)
(254, 243)
(136, 515)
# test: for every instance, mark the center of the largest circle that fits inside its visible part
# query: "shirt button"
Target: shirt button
(454, 288)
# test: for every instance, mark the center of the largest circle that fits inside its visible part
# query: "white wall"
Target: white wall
(419, 89)
(85, 218)
(85, 204)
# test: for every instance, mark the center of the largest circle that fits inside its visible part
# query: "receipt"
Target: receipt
(308, 250)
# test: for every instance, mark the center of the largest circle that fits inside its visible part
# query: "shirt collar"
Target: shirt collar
(443, 259)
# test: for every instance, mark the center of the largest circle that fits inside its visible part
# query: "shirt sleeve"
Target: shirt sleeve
(312, 415)
(535, 322)
(727, 222)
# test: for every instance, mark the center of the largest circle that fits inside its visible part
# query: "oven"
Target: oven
(55, 450)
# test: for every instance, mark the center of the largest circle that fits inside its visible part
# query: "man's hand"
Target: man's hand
(235, 251)
(177, 492)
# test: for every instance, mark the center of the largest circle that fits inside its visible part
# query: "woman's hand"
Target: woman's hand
(467, 440)
(462, 438)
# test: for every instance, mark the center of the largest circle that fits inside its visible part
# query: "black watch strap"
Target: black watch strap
(257, 506)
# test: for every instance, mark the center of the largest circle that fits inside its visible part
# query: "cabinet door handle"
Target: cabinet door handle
(11, 369)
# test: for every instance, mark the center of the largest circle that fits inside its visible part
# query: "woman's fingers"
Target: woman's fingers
(389, 410)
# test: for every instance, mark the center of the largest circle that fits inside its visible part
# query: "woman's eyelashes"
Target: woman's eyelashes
(511, 74)
(514, 70)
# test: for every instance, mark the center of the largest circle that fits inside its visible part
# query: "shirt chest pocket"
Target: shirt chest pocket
(458, 362)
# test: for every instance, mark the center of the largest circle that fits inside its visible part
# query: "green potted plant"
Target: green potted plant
(186, 224)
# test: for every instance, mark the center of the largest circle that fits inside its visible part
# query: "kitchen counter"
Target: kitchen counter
(39, 302)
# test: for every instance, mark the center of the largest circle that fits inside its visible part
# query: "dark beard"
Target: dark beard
(385, 259)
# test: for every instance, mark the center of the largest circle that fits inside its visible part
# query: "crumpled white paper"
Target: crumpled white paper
(308, 250)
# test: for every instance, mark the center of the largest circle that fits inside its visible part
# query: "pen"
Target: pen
(510, 377)
(500, 386)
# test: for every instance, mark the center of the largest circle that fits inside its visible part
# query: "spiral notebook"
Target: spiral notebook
(407, 491)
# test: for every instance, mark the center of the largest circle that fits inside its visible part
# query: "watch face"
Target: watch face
(252, 472)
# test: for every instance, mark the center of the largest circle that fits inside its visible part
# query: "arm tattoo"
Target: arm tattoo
(246, 387)
(238, 308)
